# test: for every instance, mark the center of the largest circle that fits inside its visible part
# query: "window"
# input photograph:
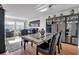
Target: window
(19, 25)
(9, 26)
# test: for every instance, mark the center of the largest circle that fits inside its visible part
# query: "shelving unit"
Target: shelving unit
(70, 34)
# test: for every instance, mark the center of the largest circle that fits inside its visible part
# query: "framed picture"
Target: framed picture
(34, 23)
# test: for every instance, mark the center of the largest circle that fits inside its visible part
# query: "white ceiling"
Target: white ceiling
(31, 11)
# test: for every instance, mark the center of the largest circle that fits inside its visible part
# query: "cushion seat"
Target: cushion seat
(44, 46)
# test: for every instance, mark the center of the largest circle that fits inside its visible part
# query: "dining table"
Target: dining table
(33, 38)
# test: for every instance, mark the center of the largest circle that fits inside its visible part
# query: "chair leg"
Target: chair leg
(60, 46)
(55, 53)
(37, 51)
(31, 43)
(24, 45)
(58, 49)
(21, 43)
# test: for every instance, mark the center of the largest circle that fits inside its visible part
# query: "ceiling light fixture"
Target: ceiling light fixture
(43, 10)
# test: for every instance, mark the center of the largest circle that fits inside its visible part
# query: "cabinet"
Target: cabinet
(2, 33)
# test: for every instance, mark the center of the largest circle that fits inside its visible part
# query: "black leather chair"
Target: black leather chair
(34, 30)
(24, 32)
(59, 43)
(48, 48)
(9, 34)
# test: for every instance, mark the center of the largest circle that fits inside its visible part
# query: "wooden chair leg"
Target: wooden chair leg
(58, 49)
(21, 43)
(55, 53)
(60, 46)
(31, 43)
(37, 51)
(24, 45)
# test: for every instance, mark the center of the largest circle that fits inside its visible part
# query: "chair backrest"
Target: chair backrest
(60, 38)
(24, 32)
(53, 43)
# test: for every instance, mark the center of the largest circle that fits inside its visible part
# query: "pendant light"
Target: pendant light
(49, 18)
